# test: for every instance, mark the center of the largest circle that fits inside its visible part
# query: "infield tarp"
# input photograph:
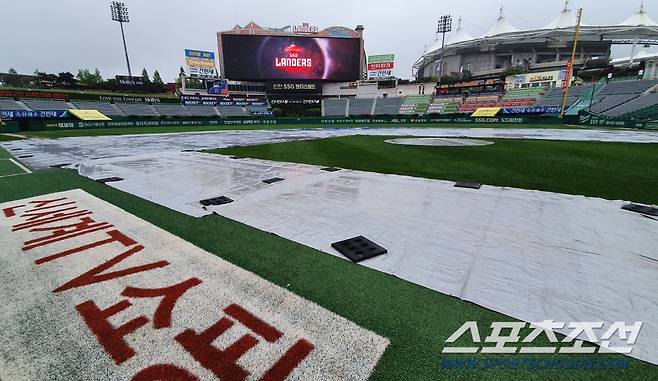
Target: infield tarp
(528, 254)
(104, 295)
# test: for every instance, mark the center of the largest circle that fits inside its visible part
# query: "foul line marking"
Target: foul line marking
(19, 165)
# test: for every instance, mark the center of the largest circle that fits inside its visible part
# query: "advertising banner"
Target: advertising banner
(258, 58)
(308, 100)
(32, 94)
(22, 114)
(532, 110)
(293, 87)
(207, 100)
(200, 63)
(381, 66)
(128, 81)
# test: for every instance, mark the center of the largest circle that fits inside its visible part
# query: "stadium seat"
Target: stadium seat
(138, 109)
(9, 104)
(172, 109)
(360, 106)
(105, 108)
(201, 110)
(388, 106)
(643, 107)
(233, 111)
(415, 104)
(445, 104)
(47, 104)
(334, 106)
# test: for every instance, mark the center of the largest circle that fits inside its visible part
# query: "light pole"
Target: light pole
(120, 15)
(444, 26)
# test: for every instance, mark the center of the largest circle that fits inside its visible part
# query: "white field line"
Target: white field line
(19, 165)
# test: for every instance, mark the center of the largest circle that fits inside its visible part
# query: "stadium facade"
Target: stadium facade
(539, 50)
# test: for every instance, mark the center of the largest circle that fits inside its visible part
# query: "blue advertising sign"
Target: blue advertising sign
(532, 110)
(22, 114)
(201, 54)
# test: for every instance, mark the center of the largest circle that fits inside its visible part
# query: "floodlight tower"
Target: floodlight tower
(120, 15)
(444, 26)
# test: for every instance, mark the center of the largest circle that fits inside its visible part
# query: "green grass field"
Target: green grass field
(8, 168)
(415, 319)
(175, 129)
(7, 138)
(624, 171)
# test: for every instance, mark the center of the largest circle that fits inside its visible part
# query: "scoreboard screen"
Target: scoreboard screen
(258, 58)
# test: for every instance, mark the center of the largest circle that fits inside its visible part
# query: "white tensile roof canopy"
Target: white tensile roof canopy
(501, 26)
(566, 19)
(640, 18)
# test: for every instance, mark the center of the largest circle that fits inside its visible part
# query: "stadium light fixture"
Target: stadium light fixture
(120, 15)
(444, 26)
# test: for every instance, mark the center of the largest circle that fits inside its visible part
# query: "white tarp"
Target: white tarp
(91, 292)
(529, 254)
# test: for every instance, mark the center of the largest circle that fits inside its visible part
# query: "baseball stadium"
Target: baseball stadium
(295, 206)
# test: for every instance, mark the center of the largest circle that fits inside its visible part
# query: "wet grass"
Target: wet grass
(624, 171)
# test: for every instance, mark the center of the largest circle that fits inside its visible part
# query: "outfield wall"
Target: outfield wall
(587, 120)
(43, 125)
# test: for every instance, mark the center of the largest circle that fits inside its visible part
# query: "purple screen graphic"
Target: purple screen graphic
(287, 57)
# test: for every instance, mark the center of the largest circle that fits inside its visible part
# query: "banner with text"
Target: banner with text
(200, 63)
(381, 66)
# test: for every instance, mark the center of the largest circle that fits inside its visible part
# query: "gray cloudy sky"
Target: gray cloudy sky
(65, 35)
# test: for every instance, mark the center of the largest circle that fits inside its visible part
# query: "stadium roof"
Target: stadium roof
(459, 35)
(566, 19)
(640, 18)
(501, 26)
(637, 27)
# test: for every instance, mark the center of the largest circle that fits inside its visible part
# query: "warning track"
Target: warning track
(92, 292)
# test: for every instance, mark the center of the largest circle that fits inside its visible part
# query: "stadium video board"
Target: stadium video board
(258, 58)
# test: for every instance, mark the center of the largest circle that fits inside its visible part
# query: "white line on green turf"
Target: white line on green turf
(19, 165)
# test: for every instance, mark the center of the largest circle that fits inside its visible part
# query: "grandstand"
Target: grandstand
(554, 96)
(37, 104)
(232, 111)
(643, 107)
(388, 106)
(415, 104)
(334, 107)
(258, 110)
(172, 109)
(106, 108)
(200, 110)
(361, 106)
(521, 97)
(138, 109)
(12, 105)
(476, 101)
(445, 105)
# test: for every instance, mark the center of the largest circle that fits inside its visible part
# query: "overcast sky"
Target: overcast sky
(66, 35)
